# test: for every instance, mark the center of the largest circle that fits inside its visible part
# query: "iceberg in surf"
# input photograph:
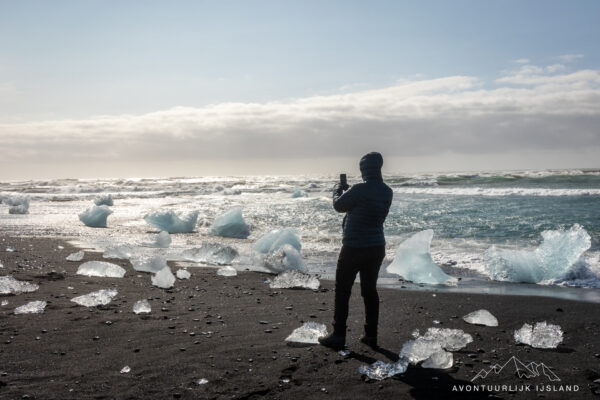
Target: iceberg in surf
(33, 307)
(310, 332)
(101, 268)
(294, 280)
(552, 259)
(230, 224)
(104, 200)
(162, 240)
(96, 216)
(414, 263)
(171, 222)
(163, 279)
(98, 298)
(481, 317)
(380, 370)
(17, 204)
(286, 258)
(542, 335)
(10, 285)
(273, 240)
(152, 264)
(210, 253)
(299, 193)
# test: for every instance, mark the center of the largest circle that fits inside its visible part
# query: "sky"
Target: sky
(154, 88)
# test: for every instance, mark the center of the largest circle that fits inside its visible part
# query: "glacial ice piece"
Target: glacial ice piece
(310, 332)
(230, 224)
(275, 239)
(542, 335)
(294, 279)
(414, 263)
(163, 279)
(142, 307)
(481, 317)
(33, 307)
(419, 349)
(286, 258)
(122, 252)
(125, 370)
(299, 193)
(18, 204)
(170, 222)
(101, 268)
(104, 200)
(552, 259)
(144, 263)
(162, 240)
(433, 341)
(227, 271)
(78, 256)
(439, 360)
(10, 285)
(95, 216)
(20, 209)
(183, 274)
(98, 298)
(379, 370)
(450, 339)
(4, 303)
(201, 381)
(211, 253)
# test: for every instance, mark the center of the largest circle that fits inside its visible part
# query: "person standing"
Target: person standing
(363, 248)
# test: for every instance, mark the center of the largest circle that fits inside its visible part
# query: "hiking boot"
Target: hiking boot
(370, 341)
(333, 341)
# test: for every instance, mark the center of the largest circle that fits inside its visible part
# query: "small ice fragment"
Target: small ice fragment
(344, 353)
(415, 334)
(440, 360)
(1, 266)
(201, 381)
(76, 256)
(230, 224)
(286, 258)
(97, 298)
(33, 307)
(294, 279)
(95, 216)
(122, 252)
(101, 268)
(542, 335)
(183, 274)
(4, 302)
(171, 222)
(275, 239)
(60, 247)
(10, 249)
(18, 204)
(211, 253)
(162, 239)
(481, 317)
(435, 321)
(164, 278)
(414, 263)
(104, 200)
(310, 332)
(125, 370)
(227, 271)
(144, 263)
(9, 285)
(142, 307)
(299, 193)
(380, 370)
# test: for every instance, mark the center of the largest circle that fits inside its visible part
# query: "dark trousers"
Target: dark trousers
(353, 260)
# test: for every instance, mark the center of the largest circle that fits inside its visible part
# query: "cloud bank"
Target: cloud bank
(532, 108)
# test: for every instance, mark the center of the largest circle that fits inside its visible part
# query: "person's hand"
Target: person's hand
(345, 187)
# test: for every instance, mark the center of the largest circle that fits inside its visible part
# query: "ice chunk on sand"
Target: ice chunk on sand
(433, 341)
(163, 240)
(98, 298)
(299, 193)
(122, 252)
(142, 307)
(552, 259)
(76, 256)
(275, 239)
(104, 200)
(227, 271)
(33, 307)
(542, 335)
(164, 278)
(125, 370)
(144, 263)
(171, 222)
(230, 224)
(211, 253)
(294, 279)
(481, 317)
(439, 360)
(4, 303)
(101, 268)
(96, 216)
(414, 263)
(10, 285)
(18, 204)
(286, 258)
(183, 274)
(310, 332)
(419, 349)
(380, 370)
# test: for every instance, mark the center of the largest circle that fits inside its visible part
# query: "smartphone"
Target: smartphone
(343, 180)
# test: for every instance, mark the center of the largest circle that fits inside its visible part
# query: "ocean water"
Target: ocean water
(469, 213)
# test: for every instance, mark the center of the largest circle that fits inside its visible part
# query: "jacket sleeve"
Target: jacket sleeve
(344, 201)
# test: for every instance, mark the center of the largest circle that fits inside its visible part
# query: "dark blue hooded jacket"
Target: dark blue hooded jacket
(366, 205)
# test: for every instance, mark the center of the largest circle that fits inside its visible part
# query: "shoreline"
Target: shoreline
(245, 355)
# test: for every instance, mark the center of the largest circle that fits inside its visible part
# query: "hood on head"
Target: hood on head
(370, 166)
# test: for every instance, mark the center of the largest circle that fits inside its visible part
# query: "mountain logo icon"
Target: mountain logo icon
(522, 370)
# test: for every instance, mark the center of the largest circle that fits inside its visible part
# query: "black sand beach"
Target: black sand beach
(231, 330)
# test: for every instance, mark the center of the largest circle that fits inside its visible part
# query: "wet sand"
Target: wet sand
(231, 330)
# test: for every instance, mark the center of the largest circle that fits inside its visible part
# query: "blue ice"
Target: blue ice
(275, 239)
(299, 193)
(95, 216)
(104, 200)
(171, 222)
(230, 224)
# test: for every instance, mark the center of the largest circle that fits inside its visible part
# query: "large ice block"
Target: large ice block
(286, 258)
(275, 239)
(210, 253)
(380, 370)
(101, 268)
(230, 224)
(309, 332)
(17, 204)
(98, 298)
(104, 200)
(164, 278)
(10, 285)
(95, 216)
(542, 335)
(294, 280)
(481, 317)
(33, 307)
(414, 263)
(169, 221)
(433, 341)
(148, 263)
